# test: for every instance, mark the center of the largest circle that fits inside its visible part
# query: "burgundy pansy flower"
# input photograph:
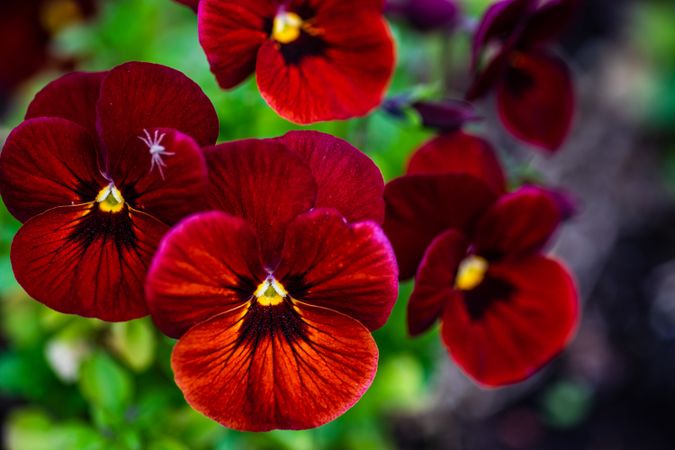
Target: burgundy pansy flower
(475, 251)
(26, 27)
(426, 15)
(314, 60)
(104, 163)
(534, 89)
(274, 296)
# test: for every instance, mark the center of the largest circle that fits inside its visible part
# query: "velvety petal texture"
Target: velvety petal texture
(314, 61)
(80, 260)
(347, 180)
(169, 184)
(420, 207)
(536, 100)
(72, 97)
(518, 223)
(523, 316)
(434, 282)
(103, 165)
(139, 96)
(347, 268)
(505, 309)
(459, 153)
(289, 367)
(274, 296)
(48, 162)
(208, 264)
(263, 182)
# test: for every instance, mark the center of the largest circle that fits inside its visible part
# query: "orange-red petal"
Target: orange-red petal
(348, 268)
(289, 366)
(207, 264)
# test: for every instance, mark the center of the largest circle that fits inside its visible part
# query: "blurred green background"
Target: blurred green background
(73, 383)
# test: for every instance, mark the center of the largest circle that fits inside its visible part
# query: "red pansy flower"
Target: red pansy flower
(534, 89)
(505, 308)
(314, 60)
(26, 27)
(273, 297)
(104, 163)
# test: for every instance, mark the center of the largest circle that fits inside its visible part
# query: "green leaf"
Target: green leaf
(167, 444)
(106, 386)
(135, 343)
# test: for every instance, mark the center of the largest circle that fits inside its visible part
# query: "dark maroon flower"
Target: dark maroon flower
(426, 15)
(475, 251)
(534, 89)
(274, 296)
(313, 60)
(104, 163)
(26, 27)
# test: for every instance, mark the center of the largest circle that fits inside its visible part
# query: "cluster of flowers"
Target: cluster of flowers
(270, 259)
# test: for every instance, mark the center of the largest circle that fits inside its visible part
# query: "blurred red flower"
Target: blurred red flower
(273, 297)
(426, 15)
(534, 88)
(314, 60)
(475, 251)
(26, 27)
(101, 167)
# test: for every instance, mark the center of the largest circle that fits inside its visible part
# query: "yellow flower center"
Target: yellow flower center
(110, 199)
(287, 27)
(270, 292)
(471, 273)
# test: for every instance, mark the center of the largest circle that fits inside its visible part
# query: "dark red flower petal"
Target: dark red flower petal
(500, 20)
(548, 22)
(80, 260)
(72, 97)
(536, 100)
(24, 43)
(206, 265)
(486, 80)
(265, 183)
(507, 337)
(48, 162)
(347, 180)
(426, 15)
(140, 96)
(347, 268)
(459, 153)
(290, 366)
(172, 186)
(518, 223)
(420, 207)
(194, 4)
(434, 283)
(231, 32)
(342, 75)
